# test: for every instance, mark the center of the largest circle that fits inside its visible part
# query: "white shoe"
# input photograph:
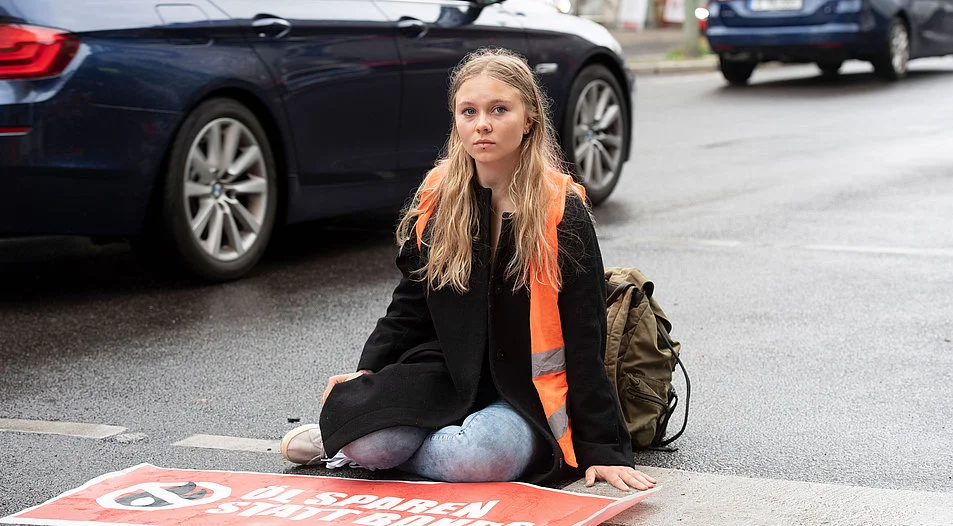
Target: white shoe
(303, 445)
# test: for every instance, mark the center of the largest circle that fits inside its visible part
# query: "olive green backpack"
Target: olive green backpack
(640, 358)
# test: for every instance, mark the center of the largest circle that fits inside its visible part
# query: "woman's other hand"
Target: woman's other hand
(338, 379)
(621, 477)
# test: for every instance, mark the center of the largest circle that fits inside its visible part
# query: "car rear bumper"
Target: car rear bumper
(64, 200)
(835, 41)
(81, 169)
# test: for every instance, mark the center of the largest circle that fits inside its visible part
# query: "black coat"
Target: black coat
(427, 352)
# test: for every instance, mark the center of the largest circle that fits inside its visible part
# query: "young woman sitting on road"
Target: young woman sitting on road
(488, 365)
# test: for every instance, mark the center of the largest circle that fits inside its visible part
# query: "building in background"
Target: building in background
(630, 14)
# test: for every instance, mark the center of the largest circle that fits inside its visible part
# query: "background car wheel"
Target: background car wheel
(830, 69)
(220, 193)
(892, 62)
(736, 72)
(596, 131)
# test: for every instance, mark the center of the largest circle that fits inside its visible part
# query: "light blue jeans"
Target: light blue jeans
(494, 444)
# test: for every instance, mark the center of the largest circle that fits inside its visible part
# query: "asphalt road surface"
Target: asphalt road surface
(799, 231)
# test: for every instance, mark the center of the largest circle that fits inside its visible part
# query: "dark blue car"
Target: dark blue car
(887, 33)
(197, 127)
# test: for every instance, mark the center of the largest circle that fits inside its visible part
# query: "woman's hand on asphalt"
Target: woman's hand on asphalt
(338, 379)
(621, 477)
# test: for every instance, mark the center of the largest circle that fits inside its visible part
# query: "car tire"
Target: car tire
(830, 69)
(596, 131)
(219, 194)
(891, 64)
(736, 72)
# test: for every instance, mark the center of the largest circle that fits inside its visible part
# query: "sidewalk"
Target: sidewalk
(647, 51)
(704, 499)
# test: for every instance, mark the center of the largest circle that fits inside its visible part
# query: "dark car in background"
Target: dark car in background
(887, 33)
(197, 127)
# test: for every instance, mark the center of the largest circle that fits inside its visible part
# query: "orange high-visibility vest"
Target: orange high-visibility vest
(546, 335)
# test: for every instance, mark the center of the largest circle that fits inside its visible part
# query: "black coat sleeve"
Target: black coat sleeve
(599, 434)
(407, 322)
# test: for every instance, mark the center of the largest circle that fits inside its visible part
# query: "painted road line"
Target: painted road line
(687, 498)
(254, 445)
(900, 251)
(729, 243)
(75, 429)
(726, 243)
(720, 243)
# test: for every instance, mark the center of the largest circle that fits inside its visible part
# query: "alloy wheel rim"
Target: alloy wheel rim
(900, 49)
(226, 189)
(598, 129)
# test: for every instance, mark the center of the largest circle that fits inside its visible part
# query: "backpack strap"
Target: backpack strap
(688, 387)
(614, 291)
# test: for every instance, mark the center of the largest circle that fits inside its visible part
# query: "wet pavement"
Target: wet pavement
(798, 232)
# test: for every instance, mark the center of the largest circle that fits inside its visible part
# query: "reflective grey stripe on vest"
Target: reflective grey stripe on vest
(553, 361)
(559, 422)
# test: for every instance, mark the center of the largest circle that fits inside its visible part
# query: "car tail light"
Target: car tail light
(30, 52)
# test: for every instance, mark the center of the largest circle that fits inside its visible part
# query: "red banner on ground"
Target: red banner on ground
(147, 495)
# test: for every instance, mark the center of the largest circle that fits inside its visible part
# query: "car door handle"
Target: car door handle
(411, 27)
(271, 27)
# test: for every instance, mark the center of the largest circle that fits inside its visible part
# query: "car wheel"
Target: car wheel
(892, 62)
(596, 131)
(830, 69)
(220, 192)
(736, 72)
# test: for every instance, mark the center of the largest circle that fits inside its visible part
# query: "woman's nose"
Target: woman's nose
(483, 124)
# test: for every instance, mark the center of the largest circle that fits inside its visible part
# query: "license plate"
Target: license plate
(777, 5)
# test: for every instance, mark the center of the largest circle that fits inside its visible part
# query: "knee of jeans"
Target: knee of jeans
(386, 448)
(488, 463)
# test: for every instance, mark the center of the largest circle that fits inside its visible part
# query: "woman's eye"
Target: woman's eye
(499, 109)
(467, 111)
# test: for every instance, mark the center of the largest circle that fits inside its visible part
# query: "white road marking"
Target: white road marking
(75, 429)
(902, 251)
(130, 438)
(687, 498)
(859, 249)
(720, 243)
(230, 443)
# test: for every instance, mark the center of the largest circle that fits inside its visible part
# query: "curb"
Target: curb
(666, 67)
(686, 497)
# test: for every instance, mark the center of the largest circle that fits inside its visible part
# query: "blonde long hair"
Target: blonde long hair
(456, 221)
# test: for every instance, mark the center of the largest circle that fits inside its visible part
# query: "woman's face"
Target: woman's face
(491, 121)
